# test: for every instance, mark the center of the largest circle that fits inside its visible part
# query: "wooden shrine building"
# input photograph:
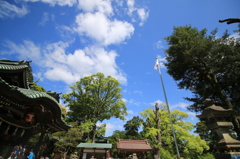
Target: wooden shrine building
(23, 110)
(98, 150)
(133, 146)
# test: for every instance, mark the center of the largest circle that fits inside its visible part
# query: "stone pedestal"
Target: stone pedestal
(134, 156)
(226, 142)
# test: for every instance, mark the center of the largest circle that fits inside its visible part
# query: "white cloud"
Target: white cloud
(133, 102)
(192, 117)
(143, 15)
(38, 76)
(69, 3)
(61, 73)
(130, 112)
(45, 18)
(131, 8)
(81, 63)
(159, 102)
(235, 35)
(8, 10)
(141, 12)
(112, 127)
(125, 100)
(27, 50)
(103, 6)
(107, 31)
(119, 2)
(180, 105)
(55, 53)
(192, 114)
(138, 92)
(59, 65)
(159, 45)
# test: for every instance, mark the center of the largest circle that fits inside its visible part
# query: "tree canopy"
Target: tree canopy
(190, 146)
(67, 139)
(93, 99)
(207, 65)
(117, 134)
(132, 128)
(207, 135)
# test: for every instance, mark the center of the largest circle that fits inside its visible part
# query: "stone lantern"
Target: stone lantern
(216, 120)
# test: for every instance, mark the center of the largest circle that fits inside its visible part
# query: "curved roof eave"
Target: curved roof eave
(31, 96)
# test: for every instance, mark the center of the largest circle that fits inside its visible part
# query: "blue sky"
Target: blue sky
(69, 39)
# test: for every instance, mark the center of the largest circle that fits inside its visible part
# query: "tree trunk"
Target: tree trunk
(94, 133)
(229, 105)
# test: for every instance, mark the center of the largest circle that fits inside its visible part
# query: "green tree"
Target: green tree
(37, 88)
(65, 140)
(64, 112)
(189, 145)
(206, 65)
(101, 130)
(117, 134)
(132, 126)
(207, 135)
(152, 130)
(95, 98)
(29, 74)
(32, 83)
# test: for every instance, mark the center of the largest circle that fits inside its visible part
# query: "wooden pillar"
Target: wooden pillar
(105, 155)
(142, 155)
(94, 152)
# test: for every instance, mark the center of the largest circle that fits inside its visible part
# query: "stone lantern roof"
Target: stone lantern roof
(214, 111)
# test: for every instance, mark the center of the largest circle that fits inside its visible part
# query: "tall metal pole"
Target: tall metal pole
(165, 96)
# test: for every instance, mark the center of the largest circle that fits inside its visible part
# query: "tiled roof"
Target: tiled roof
(13, 65)
(35, 94)
(133, 145)
(17, 96)
(29, 96)
(26, 92)
(95, 145)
